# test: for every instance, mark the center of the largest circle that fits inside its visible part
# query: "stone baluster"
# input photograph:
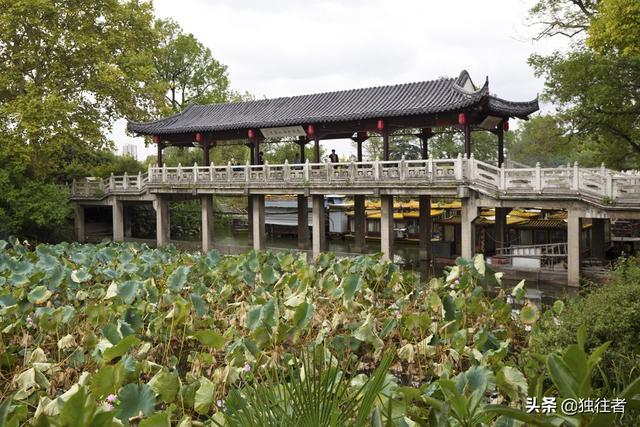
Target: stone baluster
(73, 186)
(112, 182)
(306, 170)
(247, 171)
(376, 169)
(125, 181)
(286, 171)
(576, 177)
(603, 170)
(139, 180)
(179, 172)
(352, 171)
(195, 173)
(164, 172)
(609, 187)
(458, 167)
(329, 169)
(503, 178)
(403, 168)
(265, 168)
(472, 174)
(537, 183)
(430, 170)
(150, 173)
(212, 171)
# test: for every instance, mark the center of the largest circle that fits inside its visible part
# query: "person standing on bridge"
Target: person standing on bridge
(333, 157)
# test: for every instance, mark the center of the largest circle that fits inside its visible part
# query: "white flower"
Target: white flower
(246, 367)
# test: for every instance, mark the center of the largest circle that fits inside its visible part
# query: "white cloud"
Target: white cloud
(288, 47)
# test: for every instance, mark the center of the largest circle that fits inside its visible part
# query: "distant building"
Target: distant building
(130, 150)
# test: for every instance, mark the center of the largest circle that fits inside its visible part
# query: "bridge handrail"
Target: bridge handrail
(601, 184)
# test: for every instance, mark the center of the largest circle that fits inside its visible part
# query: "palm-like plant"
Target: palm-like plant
(317, 393)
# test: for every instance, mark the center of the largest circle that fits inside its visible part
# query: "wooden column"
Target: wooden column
(424, 138)
(500, 133)
(500, 227)
(252, 161)
(467, 140)
(316, 149)
(303, 206)
(160, 148)
(206, 205)
(205, 152)
(385, 144)
(387, 233)
(79, 223)
(425, 228)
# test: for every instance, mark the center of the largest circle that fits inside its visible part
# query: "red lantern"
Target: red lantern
(462, 119)
(156, 139)
(311, 130)
(199, 137)
(505, 125)
(251, 134)
(380, 125)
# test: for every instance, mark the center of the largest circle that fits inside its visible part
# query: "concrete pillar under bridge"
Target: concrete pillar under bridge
(118, 220)
(319, 238)
(161, 206)
(467, 238)
(425, 228)
(79, 224)
(573, 247)
(206, 224)
(303, 222)
(387, 232)
(258, 226)
(359, 223)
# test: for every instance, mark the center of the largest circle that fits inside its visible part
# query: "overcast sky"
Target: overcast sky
(287, 47)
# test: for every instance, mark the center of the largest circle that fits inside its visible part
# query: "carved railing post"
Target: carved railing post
(537, 184)
(247, 171)
(285, 170)
(458, 167)
(329, 169)
(195, 173)
(306, 170)
(352, 171)
(603, 170)
(376, 169)
(430, 172)
(179, 172)
(164, 173)
(502, 178)
(265, 169)
(139, 180)
(608, 188)
(125, 181)
(229, 171)
(576, 177)
(402, 173)
(150, 173)
(212, 171)
(471, 174)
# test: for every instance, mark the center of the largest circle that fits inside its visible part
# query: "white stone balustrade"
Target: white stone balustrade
(598, 184)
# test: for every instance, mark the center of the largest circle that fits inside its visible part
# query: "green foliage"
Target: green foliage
(123, 333)
(542, 139)
(594, 83)
(594, 310)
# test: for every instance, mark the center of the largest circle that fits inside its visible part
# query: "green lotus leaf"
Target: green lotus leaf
(166, 385)
(80, 276)
(178, 278)
(303, 315)
(350, 285)
(204, 396)
(127, 291)
(39, 295)
(529, 314)
(366, 333)
(210, 338)
(159, 419)
(511, 382)
(135, 399)
(269, 275)
(121, 348)
(107, 380)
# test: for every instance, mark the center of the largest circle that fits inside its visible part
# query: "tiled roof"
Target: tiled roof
(502, 107)
(434, 96)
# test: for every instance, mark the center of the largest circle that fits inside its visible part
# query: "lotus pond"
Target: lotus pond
(122, 334)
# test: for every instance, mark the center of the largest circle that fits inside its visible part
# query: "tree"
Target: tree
(188, 69)
(68, 70)
(543, 140)
(595, 84)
